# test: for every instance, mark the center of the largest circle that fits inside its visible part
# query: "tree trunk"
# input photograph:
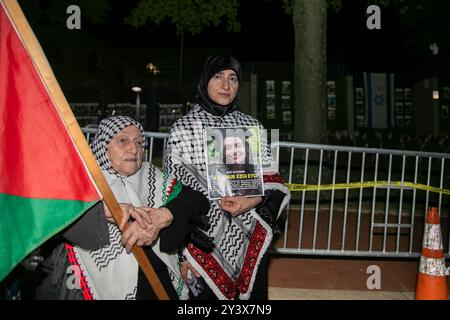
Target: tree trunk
(310, 25)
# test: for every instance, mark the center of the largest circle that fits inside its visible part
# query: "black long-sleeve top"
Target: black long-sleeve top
(189, 211)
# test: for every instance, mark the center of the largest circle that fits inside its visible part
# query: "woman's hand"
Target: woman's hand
(184, 268)
(137, 235)
(138, 213)
(239, 204)
(161, 217)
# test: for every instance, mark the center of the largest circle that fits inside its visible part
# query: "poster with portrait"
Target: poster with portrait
(270, 107)
(331, 101)
(444, 111)
(359, 93)
(285, 102)
(399, 107)
(233, 162)
(287, 119)
(331, 113)
(399, 121)
(359, 107)
(286, 87)
(168, 114)
(408, 94)
(331, 88)
(360, 121)
(399, 95)
(270, 86)
(408, 107)
(408, 122)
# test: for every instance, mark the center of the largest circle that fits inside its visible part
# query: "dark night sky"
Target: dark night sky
(267, 34)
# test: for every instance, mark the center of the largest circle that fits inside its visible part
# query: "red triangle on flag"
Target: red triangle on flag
(38, 158)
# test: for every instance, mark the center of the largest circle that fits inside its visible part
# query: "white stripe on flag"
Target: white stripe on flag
(378, 88)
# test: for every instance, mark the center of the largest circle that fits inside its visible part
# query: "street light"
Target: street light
(435, 95)
(152, 69)
(138, 101)
(434, 48)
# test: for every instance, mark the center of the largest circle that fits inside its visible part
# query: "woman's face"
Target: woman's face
(234, 150)
(125, 151)
(223, 87)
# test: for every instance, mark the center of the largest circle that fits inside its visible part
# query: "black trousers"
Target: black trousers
(144, 290)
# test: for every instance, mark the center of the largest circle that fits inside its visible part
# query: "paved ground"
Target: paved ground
(316, 294)
(315, 279)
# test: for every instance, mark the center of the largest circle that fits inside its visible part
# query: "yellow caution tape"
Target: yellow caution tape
(366, 184)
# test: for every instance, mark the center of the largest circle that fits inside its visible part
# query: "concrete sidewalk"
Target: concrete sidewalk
(301, 278)
(318, 294)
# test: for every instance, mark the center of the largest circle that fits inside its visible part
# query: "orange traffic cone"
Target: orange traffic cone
(431, 281)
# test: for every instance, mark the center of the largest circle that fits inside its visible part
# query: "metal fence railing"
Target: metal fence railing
(349, 201)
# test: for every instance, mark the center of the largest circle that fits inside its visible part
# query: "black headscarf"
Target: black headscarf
(213, 65)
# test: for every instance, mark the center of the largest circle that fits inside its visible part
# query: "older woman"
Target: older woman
(165, 214)
(242, 227)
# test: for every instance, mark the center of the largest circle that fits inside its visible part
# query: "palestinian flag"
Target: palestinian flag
(44, 182)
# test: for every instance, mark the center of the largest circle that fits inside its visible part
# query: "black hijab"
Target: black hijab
(213, 65)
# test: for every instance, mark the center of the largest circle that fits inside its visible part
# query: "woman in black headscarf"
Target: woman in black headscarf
(219, 97)
(242, 227)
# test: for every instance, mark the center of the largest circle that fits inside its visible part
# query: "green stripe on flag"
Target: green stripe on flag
(26, 223)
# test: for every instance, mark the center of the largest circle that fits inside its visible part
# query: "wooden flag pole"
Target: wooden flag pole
(43, 67)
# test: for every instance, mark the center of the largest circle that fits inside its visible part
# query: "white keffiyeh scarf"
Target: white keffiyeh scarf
(110, 272)
(240, 242)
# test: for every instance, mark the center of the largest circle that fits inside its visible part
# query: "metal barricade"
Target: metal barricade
(359, 201)
(349, 201)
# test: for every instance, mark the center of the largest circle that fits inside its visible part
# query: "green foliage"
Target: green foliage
(336, 5)
(425, 21)
(187, 15)
(288, 6)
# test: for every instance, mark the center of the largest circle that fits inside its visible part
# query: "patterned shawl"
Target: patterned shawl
(240, 242)
(111, 273)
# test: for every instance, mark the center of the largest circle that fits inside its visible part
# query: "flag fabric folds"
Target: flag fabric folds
(44, 183)
(379, 99)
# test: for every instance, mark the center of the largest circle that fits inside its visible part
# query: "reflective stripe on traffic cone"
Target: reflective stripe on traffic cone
(431, 281)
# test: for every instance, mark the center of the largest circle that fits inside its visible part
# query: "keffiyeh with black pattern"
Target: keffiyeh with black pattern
(110, 272)
(240, 242)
